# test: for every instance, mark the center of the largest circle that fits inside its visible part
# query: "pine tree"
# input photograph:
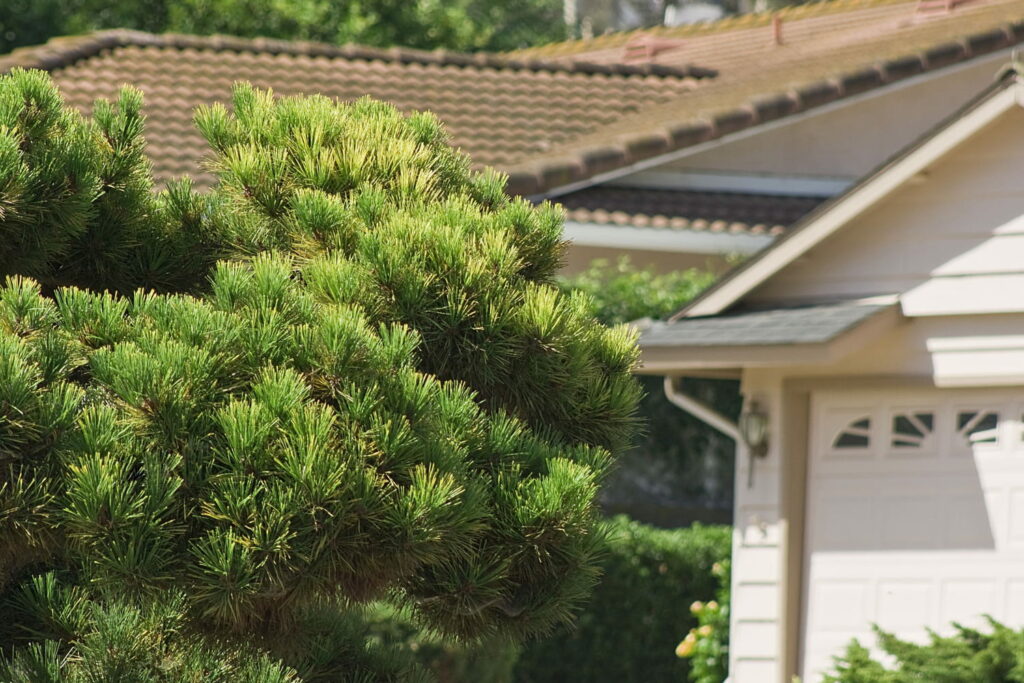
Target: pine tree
(229, 419)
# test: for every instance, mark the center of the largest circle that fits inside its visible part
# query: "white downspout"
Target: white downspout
(702, 411)
(710, 417)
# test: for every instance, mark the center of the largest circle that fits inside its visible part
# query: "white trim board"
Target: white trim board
(983, 360)
(663, 239)
(750, 183)
(857, 201)
(997, 58)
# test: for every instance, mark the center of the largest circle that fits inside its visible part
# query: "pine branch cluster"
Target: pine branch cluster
(228, 419)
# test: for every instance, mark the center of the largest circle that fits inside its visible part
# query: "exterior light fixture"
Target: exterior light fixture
(753, 425)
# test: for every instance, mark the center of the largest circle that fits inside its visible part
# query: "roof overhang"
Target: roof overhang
(580, 169)
(662, 357)
(831, 217)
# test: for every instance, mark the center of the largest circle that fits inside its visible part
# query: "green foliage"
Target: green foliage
(464, 25)
(377, 393)
(76, 200)
(707, 644)
(966, 655)
(630, 628)
(492, 660)
(121, 642)
(679, 469)
(621, 292)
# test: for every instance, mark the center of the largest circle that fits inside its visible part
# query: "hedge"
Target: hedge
(639, 611)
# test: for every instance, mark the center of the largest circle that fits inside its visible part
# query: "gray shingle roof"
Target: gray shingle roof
(814, 324)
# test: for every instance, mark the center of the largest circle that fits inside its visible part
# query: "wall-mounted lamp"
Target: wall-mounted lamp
(753, 424)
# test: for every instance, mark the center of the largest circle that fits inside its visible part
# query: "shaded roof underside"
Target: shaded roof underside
(686, 210)
(815, 324)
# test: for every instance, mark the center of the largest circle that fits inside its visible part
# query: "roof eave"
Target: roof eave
(997, 99)
(668, 360)
(587, 166)
(670, 240)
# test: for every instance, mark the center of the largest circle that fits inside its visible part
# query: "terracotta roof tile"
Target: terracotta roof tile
(500, 111)
(551, 117)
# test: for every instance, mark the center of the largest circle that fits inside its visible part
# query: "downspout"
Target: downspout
(702, 411)
(708, 416)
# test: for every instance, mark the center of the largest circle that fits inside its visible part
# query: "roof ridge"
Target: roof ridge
(729, 23)
(60, 52)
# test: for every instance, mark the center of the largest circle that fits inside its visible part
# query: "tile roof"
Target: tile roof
(815, 324)
(497, 109)
(549, 118)
(686, 32)
(829, 51)
(686, 210)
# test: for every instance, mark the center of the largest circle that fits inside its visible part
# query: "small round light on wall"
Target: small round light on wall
(753, 426)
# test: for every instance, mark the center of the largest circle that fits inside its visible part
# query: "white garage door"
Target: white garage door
(915, 515)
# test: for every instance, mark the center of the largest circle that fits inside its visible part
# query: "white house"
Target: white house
(883, 340)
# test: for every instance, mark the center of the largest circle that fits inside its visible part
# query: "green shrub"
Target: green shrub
(679, 470)
(376, 392)
(630, 628)
(707, 644)
(450, 661)
(622, 292)
(967, 656)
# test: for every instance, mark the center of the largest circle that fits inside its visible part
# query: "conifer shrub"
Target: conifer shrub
(968, 654)
(229, 419)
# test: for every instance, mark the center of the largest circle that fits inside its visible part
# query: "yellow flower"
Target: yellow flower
(685, 648)
(697, 607)
(705, 630)
(712, 605)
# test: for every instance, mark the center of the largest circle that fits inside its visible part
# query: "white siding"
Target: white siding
(757, 628)
(947, 241)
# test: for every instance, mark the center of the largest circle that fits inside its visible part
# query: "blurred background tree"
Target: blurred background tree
(465, 25)
(679, 470)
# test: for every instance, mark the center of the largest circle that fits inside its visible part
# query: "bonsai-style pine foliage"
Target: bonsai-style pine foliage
(226, 420)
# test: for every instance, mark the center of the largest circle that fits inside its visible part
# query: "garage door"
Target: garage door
(915, 515)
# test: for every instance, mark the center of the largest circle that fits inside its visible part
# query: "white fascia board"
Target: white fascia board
(996, 58)
(855, 203)
(663, 239)
(977, 360)
(752, 183)
(975, 343)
